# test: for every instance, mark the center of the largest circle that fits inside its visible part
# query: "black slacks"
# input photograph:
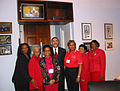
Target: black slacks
(21, 87)
(61, 81)
(71, 75)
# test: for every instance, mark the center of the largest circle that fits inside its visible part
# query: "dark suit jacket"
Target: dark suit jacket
(21, 76)
(61, 55)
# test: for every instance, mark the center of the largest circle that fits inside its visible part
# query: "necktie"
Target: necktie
(56, 55)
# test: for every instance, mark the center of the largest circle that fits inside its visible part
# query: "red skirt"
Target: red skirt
(95, 76)
(53, 87)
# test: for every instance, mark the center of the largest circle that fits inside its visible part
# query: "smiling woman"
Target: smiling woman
(34, 70)
(97, 60)
(21, 76)
(73, 66)
(50, 70)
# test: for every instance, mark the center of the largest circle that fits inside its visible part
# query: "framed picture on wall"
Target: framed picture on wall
(108, 27)
(87, 44)
(108, 45)
(5, 39)
(5, 27)
(5, 50)
(86, 31)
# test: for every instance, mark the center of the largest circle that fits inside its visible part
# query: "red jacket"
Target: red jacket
(97, 61)
(35, 73)
(85, 74)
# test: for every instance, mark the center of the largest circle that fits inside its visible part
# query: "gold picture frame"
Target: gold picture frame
(5, 27)
(109, 45)
(108, 27)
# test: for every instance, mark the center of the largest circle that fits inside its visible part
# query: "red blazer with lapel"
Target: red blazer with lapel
(97, 61)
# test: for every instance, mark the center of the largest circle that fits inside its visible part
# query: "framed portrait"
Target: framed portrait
(108, 45)
(5, 50)
(5, 39)
(87, 44)
(86, 31)
(108, 27)
(5, 27)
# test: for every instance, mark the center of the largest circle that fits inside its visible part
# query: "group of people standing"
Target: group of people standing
(47, 73)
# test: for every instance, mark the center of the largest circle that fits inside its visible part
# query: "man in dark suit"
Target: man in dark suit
(59, 53)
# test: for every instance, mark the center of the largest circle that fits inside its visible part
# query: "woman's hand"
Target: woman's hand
(101, 78)
(33, 83)
(82, 80)
(79, 72)
(36, 87)
(64, 67)
(52, 81)
(78, 79)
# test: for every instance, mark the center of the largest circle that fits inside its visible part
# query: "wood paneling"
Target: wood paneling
(36, 33)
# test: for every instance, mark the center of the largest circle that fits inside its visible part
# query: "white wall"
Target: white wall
(96, 12)
(67, 35)
(8, 13)
(99, 12)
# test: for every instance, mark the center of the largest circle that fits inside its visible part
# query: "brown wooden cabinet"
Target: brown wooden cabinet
(37, 29)
(53, 11)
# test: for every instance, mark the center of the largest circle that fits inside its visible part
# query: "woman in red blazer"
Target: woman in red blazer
(34, 70)
(97, 60)
(85, 74)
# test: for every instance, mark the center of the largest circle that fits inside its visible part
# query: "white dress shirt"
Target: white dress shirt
(56, 50)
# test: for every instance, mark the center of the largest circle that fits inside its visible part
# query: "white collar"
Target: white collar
(56, 50)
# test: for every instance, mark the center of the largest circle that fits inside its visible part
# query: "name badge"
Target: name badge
(51, 70)
(95, 54)
(67, 61)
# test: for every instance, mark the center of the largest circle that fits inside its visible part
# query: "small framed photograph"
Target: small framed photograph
(5, 27)
(87, 44)
(108, 27)
(5, 50)
(86, 31)
(108, 45)
(5, 39)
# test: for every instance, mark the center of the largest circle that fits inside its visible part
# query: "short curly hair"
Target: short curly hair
(70, 41)
(85, 48)
(96, 42)
(45, 46)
